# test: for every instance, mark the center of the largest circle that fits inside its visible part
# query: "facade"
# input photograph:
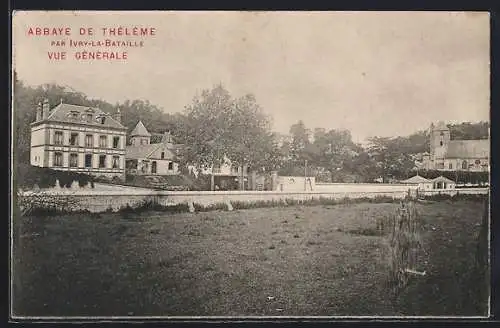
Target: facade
(455, 155)
(78, 139)
(443, 183)
(150, 154)
(227, 176)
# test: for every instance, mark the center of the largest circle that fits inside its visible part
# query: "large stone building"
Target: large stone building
(151, 154)
(78, 139)
(455, 155)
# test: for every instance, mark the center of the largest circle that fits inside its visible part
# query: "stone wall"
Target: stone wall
(100, 200)
(361, 187)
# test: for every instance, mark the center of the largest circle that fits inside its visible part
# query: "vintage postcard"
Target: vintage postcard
(195, 165)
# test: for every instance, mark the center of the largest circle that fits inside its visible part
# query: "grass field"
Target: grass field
(299, 261)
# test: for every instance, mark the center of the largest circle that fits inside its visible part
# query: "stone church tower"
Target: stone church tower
(440, 139)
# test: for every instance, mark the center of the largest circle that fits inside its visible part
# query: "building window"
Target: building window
(103, 119)
(116, 162)
(89, 140)
(73, 160)
(103, 141)
(153, 167)
(58, 138)
(116, 142)
(73, 139)
(450, 166)
(162, 155)
(440, 166)
(440, 143)
(89, 117)
(58, 159)
(145, 167)
(464, 165)
(88, 160)
(102, 161)
(477, 162)
(171, 166)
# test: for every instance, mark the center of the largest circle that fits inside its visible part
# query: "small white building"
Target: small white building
(440, 182)
(443, 183)
(423, 183)
(146, 158)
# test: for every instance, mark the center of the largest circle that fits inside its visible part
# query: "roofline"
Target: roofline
(155, 149)
(139, 135)
(462, 157)
(123, 128)
(441, 177)
(148, 155)
(58, 107)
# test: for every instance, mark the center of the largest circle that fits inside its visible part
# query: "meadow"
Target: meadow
(318, 260)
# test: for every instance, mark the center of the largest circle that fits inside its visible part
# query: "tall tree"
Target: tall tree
(220, 127)
(390, 156)
(300, 145)
(333, 150)
(207, 119)
(249, 135)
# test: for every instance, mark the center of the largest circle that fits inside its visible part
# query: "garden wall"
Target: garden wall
(100, 200)
(361, 187)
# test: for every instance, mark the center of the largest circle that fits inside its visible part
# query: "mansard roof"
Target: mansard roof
(68, 113)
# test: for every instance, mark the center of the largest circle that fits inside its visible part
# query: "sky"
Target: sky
(374, 73)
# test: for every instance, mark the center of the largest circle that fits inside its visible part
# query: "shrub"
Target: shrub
(458, 196)
(212, 207)
(27, 176)
(150, 205)
(46, 205)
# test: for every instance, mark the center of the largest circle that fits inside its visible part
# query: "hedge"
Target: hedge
(27, 176)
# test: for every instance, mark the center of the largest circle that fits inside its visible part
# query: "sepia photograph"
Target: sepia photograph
(239, 164)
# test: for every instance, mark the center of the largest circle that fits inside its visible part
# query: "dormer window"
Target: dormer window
(73, 114)
(88, 114)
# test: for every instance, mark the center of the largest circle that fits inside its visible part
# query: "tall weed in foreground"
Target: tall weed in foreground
(479, 277)
(403, 234)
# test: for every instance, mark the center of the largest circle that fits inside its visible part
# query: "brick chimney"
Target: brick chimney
(118, 115)
(45, 108)
(38, 112)
(167, 137)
